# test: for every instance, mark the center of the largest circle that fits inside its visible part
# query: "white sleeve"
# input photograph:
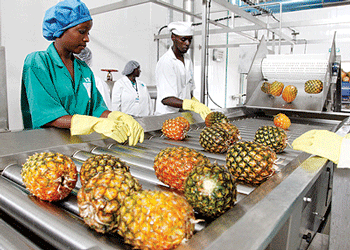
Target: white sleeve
(116, 98)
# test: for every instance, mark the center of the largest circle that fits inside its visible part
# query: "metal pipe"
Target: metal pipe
(204, 49)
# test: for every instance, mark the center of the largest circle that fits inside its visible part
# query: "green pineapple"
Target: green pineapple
(215, 117)
(215, 139)
(210, 189)
(313, 86)
(231, 129)
(265, 87)
(273, 137)
(251, 163)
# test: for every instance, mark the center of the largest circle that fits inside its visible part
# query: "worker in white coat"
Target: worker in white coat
(129, 95)
(174, 74)
(86, 56)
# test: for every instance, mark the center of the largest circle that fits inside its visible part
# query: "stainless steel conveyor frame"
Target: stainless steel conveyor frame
(279, 214)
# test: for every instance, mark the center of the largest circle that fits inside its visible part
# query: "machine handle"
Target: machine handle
(307, 237)
(109, 70)
(109, 74)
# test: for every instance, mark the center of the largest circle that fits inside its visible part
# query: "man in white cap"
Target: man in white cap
(174, 75)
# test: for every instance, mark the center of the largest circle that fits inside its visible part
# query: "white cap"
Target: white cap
(181, 28)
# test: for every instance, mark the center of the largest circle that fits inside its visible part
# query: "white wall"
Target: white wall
(128, 34)
(116, 37)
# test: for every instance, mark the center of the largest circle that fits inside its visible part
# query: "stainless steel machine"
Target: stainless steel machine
(285, 212)
(295, 69)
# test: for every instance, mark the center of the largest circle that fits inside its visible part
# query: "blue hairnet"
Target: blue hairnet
(85, 55)
(129, 67)
(62, 16)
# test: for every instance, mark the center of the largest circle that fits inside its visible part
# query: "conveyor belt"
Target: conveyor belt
(59, 222)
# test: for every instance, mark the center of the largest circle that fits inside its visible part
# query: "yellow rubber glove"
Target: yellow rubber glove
(320, 142)
(135, 131)
(84, 125)
(194, 99)
(197, 107)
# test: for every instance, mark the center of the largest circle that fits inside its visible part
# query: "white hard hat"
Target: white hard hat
(181, 28)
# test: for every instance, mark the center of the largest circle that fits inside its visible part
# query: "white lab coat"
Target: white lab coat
(126, 99)
(173, 78)
(104, 90)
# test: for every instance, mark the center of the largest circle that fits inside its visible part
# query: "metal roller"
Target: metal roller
(59, 224)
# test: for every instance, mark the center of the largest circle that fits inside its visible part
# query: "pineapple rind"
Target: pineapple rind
(251, 163)
(100, 198)
(49, 176)
(98, 164)
(211, 190)
(215, 117)
(155, 220)
(273, 137)
(214, 139)
(173, 164)
(313, 86)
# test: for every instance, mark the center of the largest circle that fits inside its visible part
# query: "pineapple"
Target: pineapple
(175, 129)
(313, 86)
(99, 163)
(184, 120)
(251, 163)
(49, 176)
(210, 189)
(172, 165)
(215, 117)
(289, 93)
(265, 87)
(100, 198)
(215, 139)
(155, 220)
(273, 137)
(231, 129)
(281, 121)
(276, 88)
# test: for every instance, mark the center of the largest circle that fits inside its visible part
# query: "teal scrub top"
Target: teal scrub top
(48, 91)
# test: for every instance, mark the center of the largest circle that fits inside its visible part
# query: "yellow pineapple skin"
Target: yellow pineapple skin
(289, 93)
(98, 164)
(155, 220)
(49, 176)
(185, 121)
(281, 121)
(175, 129)
(172, 165)
(101, 197)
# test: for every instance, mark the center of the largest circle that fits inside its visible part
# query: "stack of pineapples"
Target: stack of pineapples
(112, 200)
(249, 162)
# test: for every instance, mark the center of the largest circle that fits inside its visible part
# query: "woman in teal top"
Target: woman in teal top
(59, 90)
(50, 93)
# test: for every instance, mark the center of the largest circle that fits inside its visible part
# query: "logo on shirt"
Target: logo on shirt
(87, 85)
(87, 79)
